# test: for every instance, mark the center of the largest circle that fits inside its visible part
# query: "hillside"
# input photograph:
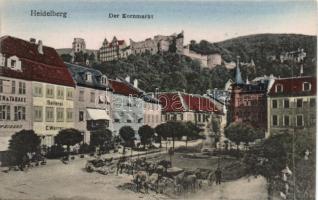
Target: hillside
(170, 71)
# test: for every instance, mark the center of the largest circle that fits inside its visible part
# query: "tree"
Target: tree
(146, 133)
(234, 133)
(162, 130)
(216, 130)
(69, 137)
(191, 131)
(23, 142)
(66, 57)
(128, 135)
(101, 138)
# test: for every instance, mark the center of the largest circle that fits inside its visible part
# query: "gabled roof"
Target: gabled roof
(124, 88)
(47, 67)
(182, 102)
(78, 73)
(293, 86)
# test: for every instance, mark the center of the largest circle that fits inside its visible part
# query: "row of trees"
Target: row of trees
(26, 141)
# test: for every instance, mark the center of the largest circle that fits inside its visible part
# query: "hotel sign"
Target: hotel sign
(12, 99)
(54, 103)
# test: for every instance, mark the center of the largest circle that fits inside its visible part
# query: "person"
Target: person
(218, 176)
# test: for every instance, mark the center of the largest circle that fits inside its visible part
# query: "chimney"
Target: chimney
(127, 79)
(32, 40)
(40, 47)
(136, 83)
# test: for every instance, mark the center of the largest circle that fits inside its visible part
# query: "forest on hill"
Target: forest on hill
(170, 71)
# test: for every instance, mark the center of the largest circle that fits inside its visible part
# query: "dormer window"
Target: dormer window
(104, 80)
(14, 63)
(88, 77)
(2, 60)
(279, 88)
(306, 86)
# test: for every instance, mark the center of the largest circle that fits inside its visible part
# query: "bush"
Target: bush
(192, 149)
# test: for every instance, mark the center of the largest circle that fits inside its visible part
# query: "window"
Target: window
(274, 103)
(88, 77)
(286, 120)
(312, 102)
(299, 103)
(117, 120)
(13, 87)
(279, 88)
(13, 63)
(81, 116)
(275, 120)
(60, 114)
(306, 86)
(37, 91)
(49, 114)
(69, 94)
(69, 115)
(49, 91)
(38, 113)
(299, 120)
(286, 103)
(81, 95)
(60, 93)
(21, 88)
(19, 113)
(1, 86)
(5, 112)
(92, 97)
(128, 121)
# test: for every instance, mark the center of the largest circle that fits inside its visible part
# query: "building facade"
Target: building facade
(48, 104)
(113, 50)
(291, 105)
(152, 111)
(92, 100)
(177, 106)
(248, 102)
(207, 61)
(158, 44)
(78, 45)
(128, 105)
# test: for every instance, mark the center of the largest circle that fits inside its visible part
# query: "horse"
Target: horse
(139, 179)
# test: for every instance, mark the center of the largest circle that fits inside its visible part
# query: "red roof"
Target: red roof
(171, 102)
(199, 103)
(47, 67)
(120, 42)
(123, 88)
(293, 86)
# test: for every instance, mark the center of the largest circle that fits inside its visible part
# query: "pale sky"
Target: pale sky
(210, 20)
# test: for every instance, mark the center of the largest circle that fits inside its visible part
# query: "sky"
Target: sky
(210, 20)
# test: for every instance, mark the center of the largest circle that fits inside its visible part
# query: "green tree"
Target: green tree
(23, 142)
(69, 137)
(162, 131)
(234, 133)
(101, 138)
(128, 135)
(66, 57)
(146, 133)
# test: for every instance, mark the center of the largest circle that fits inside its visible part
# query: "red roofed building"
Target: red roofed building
(113, 50)
(36, 89)
(177, 106)
(291, 105)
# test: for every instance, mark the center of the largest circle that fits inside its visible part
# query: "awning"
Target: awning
(96, 114)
